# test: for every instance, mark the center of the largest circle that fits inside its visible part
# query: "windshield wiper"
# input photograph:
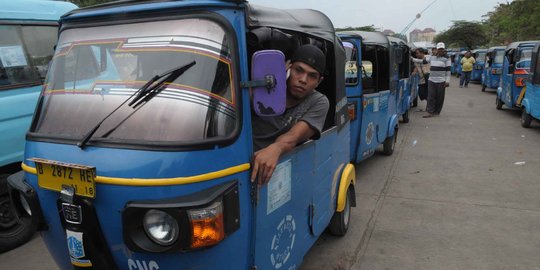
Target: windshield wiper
(142, 95)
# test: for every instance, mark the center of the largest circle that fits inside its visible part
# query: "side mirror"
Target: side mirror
(269, 82)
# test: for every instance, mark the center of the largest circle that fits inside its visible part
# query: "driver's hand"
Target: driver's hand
(264, 164)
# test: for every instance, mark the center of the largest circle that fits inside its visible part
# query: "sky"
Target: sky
(393, 14)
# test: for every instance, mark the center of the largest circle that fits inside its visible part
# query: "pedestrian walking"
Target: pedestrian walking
(423, 72)
(439, 79)
(467, 64)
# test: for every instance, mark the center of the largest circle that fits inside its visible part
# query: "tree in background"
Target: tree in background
(85, 3)
(464, 34)
(516, 21)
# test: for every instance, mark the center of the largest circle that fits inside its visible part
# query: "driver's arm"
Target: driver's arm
(266, 159)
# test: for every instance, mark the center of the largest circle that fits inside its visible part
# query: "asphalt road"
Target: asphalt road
(462, 191)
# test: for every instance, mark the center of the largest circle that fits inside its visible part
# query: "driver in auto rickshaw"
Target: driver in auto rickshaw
(303, 119)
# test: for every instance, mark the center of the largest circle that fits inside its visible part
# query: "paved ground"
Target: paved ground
(451, 197)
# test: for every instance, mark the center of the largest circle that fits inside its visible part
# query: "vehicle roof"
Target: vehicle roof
(308, 21)
(34, 10)
(516, 44)
(479, 50)
(399, 41)
(377, 38)
(496, 48)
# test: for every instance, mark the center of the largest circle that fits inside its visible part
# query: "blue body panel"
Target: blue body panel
(489, 79)
(17, 104)
(531, 101)
(478, 68)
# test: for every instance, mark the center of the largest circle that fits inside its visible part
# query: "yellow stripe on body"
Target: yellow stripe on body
(161, 181)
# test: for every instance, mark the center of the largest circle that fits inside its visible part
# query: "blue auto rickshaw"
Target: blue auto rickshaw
(452, 56)
(28, 30)
(138, 156)
(478, 67)
(516, 65)
(457, 62)
(402, 73)
(530, 106)
(371, 96)
(493, 67)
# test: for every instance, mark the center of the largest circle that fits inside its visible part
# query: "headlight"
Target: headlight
(160, 227)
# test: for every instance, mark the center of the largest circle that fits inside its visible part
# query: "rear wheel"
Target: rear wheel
(390, 144)
(499, 103)
(339, 224)
(483, 88)
(13, 231)
(526, 119)
(406, 117)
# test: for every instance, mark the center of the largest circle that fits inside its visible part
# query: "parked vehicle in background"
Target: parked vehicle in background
(402, 72)
(530, 106)
(372, 96)
(28, 33)
(457, 62)
(478, 67)
(493, 67)
(516, 65)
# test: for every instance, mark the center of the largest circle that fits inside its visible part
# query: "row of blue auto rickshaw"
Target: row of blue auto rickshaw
(138, 154)
(513, 71)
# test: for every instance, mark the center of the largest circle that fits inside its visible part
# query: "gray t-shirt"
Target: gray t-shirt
(311, 110)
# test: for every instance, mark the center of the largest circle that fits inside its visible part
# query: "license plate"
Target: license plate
(53, 175)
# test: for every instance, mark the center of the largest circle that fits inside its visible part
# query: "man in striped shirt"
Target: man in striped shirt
(439, 79)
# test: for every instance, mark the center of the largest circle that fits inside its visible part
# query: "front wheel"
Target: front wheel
(483, 88)
(339, 224)
(526, 119)
(406, 117)
(499, 103)
(390, 144)
(13, 231)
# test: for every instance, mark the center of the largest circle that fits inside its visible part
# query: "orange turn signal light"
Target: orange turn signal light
(207, 225)
(351, 109)
(520, 82)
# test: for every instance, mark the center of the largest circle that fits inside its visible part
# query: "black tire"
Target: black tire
(526, 119)
(499, 103)
(406, 117)
(390, 144)
(13, 231)
(415, 102)
(339, 224)
(483, 88)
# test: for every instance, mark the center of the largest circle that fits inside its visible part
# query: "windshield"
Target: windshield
(525, 53)
(25, 52)
(480, 56)
(95, 69)
(499, 57)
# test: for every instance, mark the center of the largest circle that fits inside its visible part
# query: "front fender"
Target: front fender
(525, 104)
(348, 178)
(392, 124)
(407, 103)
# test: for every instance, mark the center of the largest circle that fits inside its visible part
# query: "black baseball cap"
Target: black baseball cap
(310, 55)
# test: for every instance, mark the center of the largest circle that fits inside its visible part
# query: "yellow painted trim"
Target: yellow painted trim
(161, 181)
(348, 177)
(521, 96)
